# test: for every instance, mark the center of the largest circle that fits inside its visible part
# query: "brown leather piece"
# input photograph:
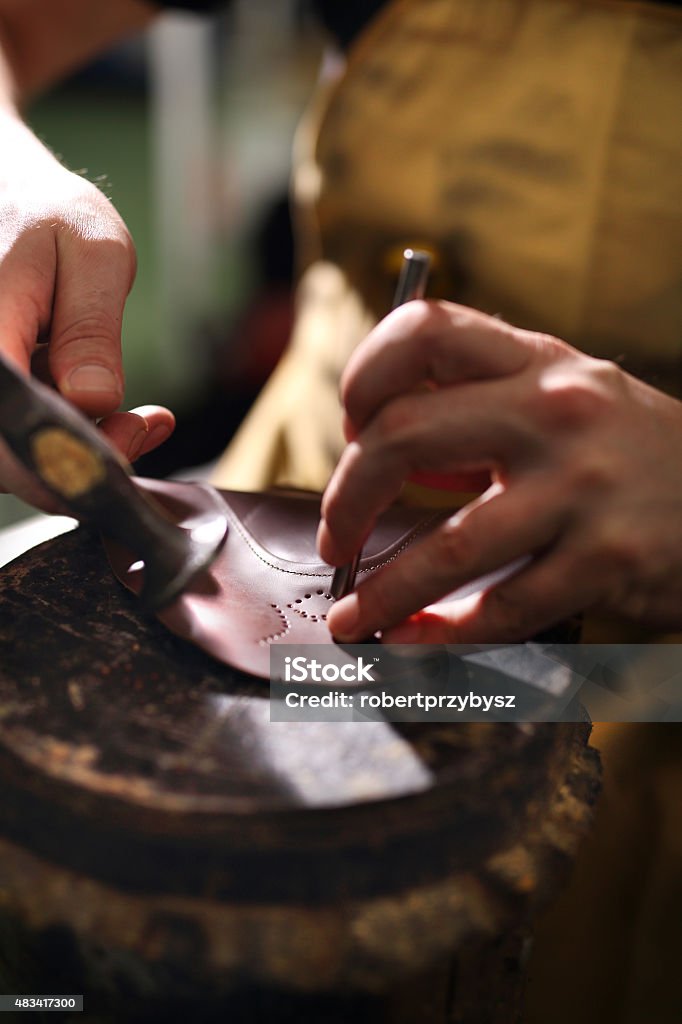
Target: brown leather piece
(268, 585)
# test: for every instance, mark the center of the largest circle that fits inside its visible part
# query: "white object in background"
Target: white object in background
(18, 538)
(15, 540)
(184, 184)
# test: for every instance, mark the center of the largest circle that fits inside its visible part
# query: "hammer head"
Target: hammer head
(71, 459)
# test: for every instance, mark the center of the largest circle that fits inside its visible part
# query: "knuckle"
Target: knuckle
(607, 375)
(571, 403)
(422, 323)
(73, 212)
(91, 223)
(546, 346)
(620, 553)
(87, 213)
(509, 611)
(578, 395)
(453, 544)
(396, 424)
(421, 318)
(592, 474)
(96, 326)
(331, 505)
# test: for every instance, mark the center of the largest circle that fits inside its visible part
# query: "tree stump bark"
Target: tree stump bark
(168, 851)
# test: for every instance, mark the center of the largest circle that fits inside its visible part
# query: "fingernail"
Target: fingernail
(92, 378)
(324, 544)
(344, 617)
(136, 444)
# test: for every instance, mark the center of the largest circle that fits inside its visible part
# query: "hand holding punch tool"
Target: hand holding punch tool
(411, 285)
(56, 443)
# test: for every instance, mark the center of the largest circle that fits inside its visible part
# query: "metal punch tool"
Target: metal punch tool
(411, 285)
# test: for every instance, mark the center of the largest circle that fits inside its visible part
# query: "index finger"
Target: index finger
(427, 431)
(434, 342)
(487, 535)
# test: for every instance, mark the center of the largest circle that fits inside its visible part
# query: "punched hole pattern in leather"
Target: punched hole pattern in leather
(268, 585)
(296, 607)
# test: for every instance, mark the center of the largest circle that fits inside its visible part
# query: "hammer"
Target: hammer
(56, 443)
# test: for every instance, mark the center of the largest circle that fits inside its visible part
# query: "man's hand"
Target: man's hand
(586, 481)
(66, 266)
(66, 259)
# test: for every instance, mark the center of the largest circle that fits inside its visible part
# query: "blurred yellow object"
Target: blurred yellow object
(533, 147)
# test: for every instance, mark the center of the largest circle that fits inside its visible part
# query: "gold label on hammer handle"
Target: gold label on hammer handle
(65, 463)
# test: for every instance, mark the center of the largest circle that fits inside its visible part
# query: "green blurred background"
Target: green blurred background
(258, 73)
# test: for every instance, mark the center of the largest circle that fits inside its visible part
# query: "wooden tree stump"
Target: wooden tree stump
(168, 851)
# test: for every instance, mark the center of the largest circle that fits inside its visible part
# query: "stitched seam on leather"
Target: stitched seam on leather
(297, 572)
(247, 540)
(408, 540)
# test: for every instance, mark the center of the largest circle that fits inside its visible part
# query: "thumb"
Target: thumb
(93, 281)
